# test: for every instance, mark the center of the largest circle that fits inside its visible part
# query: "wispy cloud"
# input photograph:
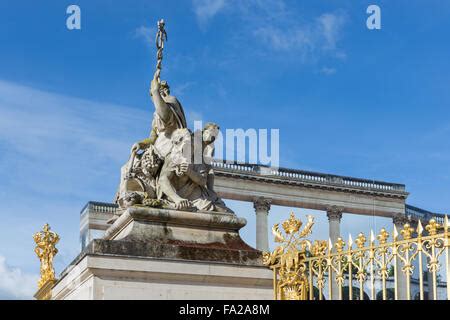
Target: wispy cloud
(274, 24)
(182, 89)
(320, 36)
(146, 34)
(56, 145)
(15, 284)
(329, 27)
(207, 9)
(56, 153)
(327, 71)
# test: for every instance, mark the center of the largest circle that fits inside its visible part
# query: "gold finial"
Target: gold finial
(432, 227)
(340, 244)
(383, 236)
(360, 240)
(46, 241)
(407, 231)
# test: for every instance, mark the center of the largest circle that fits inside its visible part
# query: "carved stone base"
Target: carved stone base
(152, 253)
(175, 234)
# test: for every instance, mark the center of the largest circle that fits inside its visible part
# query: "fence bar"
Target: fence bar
(275, 284)
(420, 273)
(447, 264)
(311, 287)
(433, 268)
(395, 271)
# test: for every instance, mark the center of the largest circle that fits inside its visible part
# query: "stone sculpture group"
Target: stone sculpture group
(172, 168)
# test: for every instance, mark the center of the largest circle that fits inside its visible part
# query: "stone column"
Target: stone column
(399, 221)
(334, 214)
(262, 207)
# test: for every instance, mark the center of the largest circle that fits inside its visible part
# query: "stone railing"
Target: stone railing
(415, 213)
(100, 207)
(307, 176)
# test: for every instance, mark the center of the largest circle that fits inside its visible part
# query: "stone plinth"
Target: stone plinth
(166, 254)
(45, 292)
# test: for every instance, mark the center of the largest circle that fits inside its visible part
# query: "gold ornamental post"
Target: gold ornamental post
(45, 249)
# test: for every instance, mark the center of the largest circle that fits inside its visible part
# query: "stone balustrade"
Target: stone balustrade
(306, 176)
(414, 213)
(100, 207)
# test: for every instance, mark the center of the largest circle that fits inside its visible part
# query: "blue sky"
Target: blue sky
(347, 100)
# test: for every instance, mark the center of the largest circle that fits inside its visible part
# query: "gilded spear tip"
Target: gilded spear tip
(372, 236)
(395, 233)
(419, 228)
(350, 241)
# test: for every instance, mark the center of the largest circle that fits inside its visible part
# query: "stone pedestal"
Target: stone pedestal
(165, 254)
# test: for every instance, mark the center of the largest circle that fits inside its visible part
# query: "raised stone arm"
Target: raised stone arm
(161, 107)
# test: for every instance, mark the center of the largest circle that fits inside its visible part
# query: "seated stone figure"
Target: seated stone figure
(184, 184)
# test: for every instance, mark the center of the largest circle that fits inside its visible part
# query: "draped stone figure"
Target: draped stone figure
(139, 175)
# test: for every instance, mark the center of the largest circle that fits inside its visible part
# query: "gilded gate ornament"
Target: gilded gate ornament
(341, 271)
(46, 241)
(287, 260)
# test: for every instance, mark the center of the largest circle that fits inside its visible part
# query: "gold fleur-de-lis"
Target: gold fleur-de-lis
(360, 240)
(292, 225)
(407, 231)
(383, 236)
(340, 244)
(433, 227)
(319, 248)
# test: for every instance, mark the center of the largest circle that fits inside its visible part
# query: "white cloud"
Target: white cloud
(147, 34)
(281, 40)
(328, 71)
(278, 26)
(59, 145)
(15, 284)
(207, 9)
(182, 89)
(330, 27)
(56, 153)
(306, 39)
